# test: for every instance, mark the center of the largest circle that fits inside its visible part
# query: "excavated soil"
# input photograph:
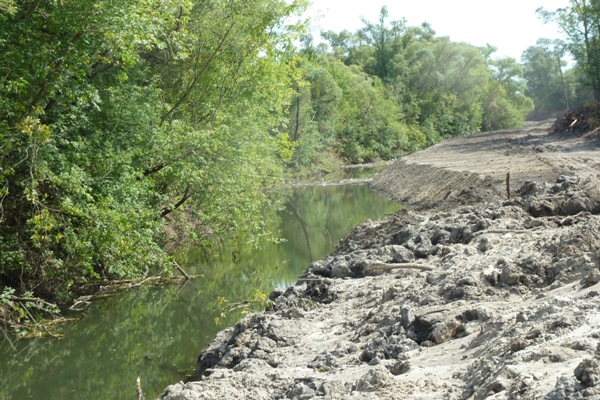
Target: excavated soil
(470, 169)
(465, 294)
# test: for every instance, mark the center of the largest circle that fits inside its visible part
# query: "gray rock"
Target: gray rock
(399, 367)
(593, 277)
(588, 372)
(373, 380)
(510, 275)
(324, 361)
(440, 237)
(446, 330)
(301, 391)
(485, 244)
(398, 254)
(407, 315)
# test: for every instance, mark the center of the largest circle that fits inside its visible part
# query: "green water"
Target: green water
(157, 333)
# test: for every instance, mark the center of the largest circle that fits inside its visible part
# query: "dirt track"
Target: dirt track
(471, 168)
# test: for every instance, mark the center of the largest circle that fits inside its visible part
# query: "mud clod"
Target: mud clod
(588, 372)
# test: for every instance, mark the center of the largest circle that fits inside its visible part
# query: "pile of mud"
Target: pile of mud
(495, 300)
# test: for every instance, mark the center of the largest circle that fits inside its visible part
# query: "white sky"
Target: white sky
(509, 25)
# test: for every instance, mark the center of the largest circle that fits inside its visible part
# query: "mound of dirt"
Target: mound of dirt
(474, 168)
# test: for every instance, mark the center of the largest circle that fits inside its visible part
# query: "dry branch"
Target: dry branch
(384, 267)
(178, 267)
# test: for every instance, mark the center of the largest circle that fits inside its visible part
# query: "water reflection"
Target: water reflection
(157, 333)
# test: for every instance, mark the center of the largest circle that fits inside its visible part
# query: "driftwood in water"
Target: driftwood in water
(178, 267)
(106, 289)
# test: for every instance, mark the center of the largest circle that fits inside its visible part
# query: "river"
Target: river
(158, 332)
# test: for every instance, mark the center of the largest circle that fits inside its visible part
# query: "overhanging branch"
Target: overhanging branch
(186, 195)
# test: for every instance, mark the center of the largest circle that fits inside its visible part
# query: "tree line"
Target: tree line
(126, 123)
(389, 89)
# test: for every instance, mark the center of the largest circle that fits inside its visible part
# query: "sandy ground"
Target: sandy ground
(464, 295)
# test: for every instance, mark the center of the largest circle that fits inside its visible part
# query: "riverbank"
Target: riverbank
(465, 295)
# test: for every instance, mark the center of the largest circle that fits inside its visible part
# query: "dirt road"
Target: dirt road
(471, 168)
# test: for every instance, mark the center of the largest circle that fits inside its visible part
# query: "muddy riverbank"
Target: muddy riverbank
(464, 295)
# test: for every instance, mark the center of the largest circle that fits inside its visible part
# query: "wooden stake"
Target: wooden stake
(138, 387)
(508, 185)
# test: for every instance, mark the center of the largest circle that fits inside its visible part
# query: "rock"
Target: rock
(510, 275)
(252, 365)
(588, 372)
(423, 245)
(301, 391)
(324, 361)
(407, 315)
(340, 270)
(457, 234)
(375, 348)
(440, 237)
(375, 361)
(501, 316)
(276, 293)
(542, 208)
(344, 348)
(446, 330)
(482, 224)
(518, 345)
(593, 277)
(404, 235)
(485, 244)
(373, 380)
(495, 387)
(529, 188)
(399, 367)
(399, 254)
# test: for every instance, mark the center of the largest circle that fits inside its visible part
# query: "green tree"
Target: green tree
(581, 24)
(8, 6)
(506, 102)
(546, 84)
(114, 114)
(384, 39)
(448, 81)
(370, 122)
(313, 112)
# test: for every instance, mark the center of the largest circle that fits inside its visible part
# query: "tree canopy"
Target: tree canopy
(115, 113)
(389, 89)
(580, 23)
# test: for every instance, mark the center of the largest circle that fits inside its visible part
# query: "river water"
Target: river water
(157, 333)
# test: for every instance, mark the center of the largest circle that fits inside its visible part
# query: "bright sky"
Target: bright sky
(509, 25)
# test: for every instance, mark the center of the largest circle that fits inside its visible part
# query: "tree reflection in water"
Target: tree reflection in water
(157, 333)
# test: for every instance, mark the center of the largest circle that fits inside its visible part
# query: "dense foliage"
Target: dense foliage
(115, 113)
(389, 89)
(553, 89)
